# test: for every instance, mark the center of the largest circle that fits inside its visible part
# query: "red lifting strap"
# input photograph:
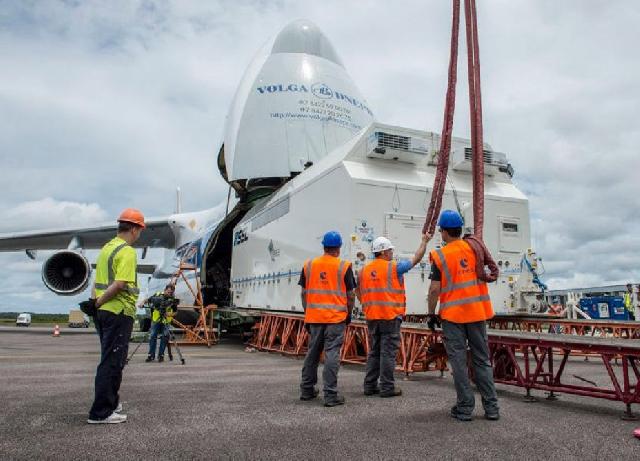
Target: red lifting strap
(475, 102)
(447, 128)
(483, 256)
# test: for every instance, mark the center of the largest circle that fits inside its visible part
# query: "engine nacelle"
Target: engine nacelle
(66, 273)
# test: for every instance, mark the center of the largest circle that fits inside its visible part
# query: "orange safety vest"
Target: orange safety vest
(324, 289)
(463, 298)
(381, 293)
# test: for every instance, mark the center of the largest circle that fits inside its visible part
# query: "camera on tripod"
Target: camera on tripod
(161, 303)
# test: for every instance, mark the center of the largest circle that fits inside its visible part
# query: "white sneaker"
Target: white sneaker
(114, 418)
(118, 408)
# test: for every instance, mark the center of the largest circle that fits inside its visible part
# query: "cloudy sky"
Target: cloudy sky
(107, 103)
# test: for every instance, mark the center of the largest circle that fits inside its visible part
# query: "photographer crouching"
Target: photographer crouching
(163, 306)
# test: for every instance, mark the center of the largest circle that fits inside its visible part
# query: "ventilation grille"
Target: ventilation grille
(392, 141)
(488, 155)
(382, 140)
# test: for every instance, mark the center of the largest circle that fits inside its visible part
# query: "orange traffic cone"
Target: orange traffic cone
(56, 331)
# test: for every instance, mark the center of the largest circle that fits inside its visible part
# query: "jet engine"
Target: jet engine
(66, 273)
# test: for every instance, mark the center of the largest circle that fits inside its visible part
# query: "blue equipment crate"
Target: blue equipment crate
(604, 307)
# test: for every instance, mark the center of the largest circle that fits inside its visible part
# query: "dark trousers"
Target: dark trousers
(384, 340)
(456, 338)
(162, 330)
(325, 337)
(114, 332)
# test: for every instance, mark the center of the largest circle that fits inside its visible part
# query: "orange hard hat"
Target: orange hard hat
(133, 216)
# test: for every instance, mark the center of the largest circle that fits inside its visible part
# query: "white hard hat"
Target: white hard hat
(381, 244)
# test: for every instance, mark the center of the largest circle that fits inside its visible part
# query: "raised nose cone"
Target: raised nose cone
(294, 105)
(305, 37)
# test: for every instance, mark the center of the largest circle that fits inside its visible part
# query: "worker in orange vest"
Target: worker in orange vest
(464, 308)
(327, 298)
(381, 293)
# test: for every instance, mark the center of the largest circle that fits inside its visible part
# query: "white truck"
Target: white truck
(23, 320)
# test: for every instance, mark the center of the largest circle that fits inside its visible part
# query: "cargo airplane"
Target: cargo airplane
(302, 154)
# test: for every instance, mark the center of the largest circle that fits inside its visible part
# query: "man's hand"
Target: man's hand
(89, 307)
(111, 291)
(422, 249)
(433, 320)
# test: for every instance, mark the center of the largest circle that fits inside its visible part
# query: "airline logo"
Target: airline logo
(319, 90)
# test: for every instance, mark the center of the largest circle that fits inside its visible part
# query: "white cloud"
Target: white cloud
(117, 103)
(49, 213)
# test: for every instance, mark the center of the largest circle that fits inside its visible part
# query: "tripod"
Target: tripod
(126, 362)
(167, 332)
(172, 337)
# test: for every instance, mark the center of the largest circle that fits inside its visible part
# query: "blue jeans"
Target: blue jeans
(158, 329)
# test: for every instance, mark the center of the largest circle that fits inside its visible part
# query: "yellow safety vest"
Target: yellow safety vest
(117, 261)
(628, 304)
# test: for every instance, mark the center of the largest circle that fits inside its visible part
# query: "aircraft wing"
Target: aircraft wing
(157, 234)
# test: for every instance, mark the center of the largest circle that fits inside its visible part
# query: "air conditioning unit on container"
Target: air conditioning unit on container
(409, 149)
(493, 161)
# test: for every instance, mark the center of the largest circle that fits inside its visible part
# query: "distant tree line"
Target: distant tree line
(35, 318)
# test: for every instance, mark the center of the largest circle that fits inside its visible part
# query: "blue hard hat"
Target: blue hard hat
(332, 239)
(450, 219)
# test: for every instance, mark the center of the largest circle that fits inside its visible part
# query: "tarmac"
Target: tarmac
(226, 403)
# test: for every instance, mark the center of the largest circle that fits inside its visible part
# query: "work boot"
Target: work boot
(373, 391)
(492, 415)
(149, 359)
(161, 359)
(334, 401)
(460, 416)
(311, 396)
(113, 418)
(396, 392)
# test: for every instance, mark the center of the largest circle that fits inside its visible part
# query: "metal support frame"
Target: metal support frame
(203, 332)
(595, 328)
(286, 334)
(522, 359)
(548, 324)
(528, 360)
(281, 333)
